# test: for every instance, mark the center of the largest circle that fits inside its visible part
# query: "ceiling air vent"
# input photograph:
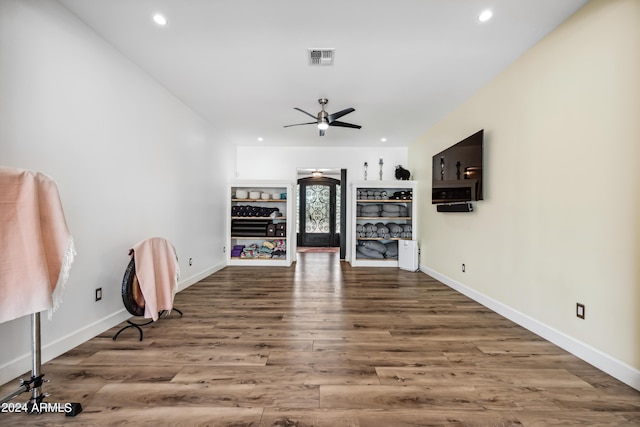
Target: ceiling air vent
(321, 56)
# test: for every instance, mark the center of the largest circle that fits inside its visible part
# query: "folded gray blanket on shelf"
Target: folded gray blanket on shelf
(381, 209)
(370, 228)
(377, 250)
(381, 228)
(392, 250)
(391, 208)
(394, 210)
(394, 228)
(372, 194)
(398, 231)
(370, 208)
(365, 252)
(374, 231)
(375, 245)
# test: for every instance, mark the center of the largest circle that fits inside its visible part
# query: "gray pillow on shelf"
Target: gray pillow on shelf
(391, 208)
(375, 245)
(371, 209)
(392, 250)
(369, 253)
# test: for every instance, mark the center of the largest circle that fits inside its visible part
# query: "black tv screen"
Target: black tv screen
(457, 171)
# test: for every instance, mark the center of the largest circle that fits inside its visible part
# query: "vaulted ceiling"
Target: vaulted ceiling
(243, 64)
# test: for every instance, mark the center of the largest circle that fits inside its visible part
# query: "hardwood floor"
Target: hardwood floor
(324, 344)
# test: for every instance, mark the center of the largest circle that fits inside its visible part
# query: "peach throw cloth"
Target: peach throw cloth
(158, 272)
(36, 248)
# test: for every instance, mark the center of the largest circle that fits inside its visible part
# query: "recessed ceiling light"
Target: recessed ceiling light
(159, 19)
(485, 16)
(260, 138)
(383, 139)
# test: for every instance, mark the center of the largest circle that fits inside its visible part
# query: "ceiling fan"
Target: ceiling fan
(324, 119)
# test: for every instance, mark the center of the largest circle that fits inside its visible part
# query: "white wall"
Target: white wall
(560, 222)
(283, 162)
(130, 161)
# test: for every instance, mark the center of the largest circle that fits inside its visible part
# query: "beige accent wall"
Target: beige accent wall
(560, 222)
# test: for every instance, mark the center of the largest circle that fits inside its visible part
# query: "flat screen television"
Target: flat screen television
(457, 172)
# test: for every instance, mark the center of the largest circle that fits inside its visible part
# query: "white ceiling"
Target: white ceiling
(403, 64)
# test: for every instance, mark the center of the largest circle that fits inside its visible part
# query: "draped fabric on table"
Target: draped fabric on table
(157, 271)
(36, 248)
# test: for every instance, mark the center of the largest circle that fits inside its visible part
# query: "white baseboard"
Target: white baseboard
(617, 369)
(55, 348)
(184, 284)
(49, 351)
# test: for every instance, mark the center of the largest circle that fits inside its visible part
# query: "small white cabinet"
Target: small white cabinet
(259, 230)
(382, 216)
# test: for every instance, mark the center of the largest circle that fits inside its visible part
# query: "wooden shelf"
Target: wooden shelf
(260, 200)
(384, 201)
(385, 218)
(282, 218)
(381, 238)
(258, 238)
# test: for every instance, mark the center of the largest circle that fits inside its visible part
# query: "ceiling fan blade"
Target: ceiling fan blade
(308, 114)
(300, 124)
(339, 114)
(321, 132)
(344, 125)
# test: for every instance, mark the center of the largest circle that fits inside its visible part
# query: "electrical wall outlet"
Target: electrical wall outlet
(464, 268)
(98, 294)
(190, 261)
(580, 310)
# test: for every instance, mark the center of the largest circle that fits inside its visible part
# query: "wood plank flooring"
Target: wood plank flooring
(324, 344)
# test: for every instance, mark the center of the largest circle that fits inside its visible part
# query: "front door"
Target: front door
(317, 220)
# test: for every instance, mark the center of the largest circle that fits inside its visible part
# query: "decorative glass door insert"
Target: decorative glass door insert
(318, 199)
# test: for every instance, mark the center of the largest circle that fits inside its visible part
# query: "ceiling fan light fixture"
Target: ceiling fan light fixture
(323, 116)
(160, 19)
(323, 124)
(485, 15)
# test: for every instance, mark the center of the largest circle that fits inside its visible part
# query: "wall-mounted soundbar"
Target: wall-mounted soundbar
(455, 207)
